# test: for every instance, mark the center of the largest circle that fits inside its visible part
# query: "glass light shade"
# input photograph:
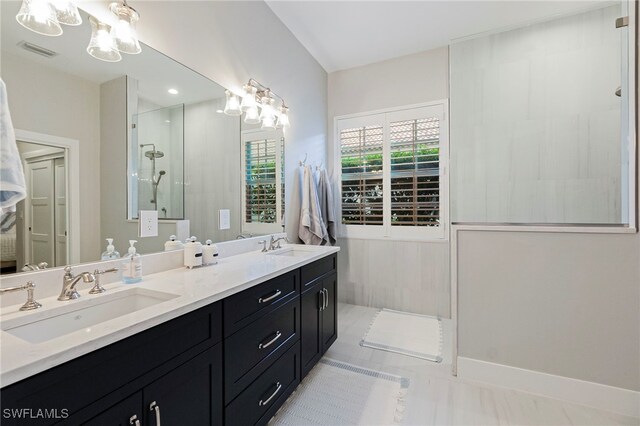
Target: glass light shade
(268, 123)
(124, 31)
(232, 107)
(67, 12)
(39, 16)
(249, 98)
(267, 108)
(102, 46)
(252, 116)
(283, 118)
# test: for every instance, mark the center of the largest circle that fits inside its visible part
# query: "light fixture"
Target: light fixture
(67, 12)
(232, 107)
(173, 91)
(259, 106)
(249, 97)
(102, 46)
(39, 16)
(252, 116)
(124, 31)
(283, 118)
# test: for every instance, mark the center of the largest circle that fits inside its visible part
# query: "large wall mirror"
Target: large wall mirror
(101, 141)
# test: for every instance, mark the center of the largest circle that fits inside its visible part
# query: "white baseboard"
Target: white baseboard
(617, 400)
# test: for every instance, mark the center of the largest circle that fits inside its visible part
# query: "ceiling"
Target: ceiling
(347, 34)
(155, 72)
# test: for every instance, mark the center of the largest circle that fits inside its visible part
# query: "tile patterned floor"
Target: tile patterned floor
(435, 397)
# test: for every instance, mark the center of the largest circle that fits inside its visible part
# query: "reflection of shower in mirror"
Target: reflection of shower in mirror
(155, 180)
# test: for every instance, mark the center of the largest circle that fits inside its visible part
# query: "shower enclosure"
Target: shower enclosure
(157, 151)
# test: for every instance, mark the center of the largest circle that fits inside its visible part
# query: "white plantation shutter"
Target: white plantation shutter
(415, 172)
(392, 173)
(263, 190)
(362, 182)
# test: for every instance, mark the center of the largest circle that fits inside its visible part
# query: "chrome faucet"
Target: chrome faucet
(69, 282)
(31, 302)
(273, 241)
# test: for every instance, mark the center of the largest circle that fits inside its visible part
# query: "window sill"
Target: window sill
(437, 240)
(571, 229)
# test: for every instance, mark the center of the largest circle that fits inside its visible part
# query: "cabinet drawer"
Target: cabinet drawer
(259, 402)
(251, 350)
(245, 307)
(87, 379)
(315, 270)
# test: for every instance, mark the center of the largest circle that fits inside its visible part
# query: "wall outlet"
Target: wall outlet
(224, 219)
(148, 223)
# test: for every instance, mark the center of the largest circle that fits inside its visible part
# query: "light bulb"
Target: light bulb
(232, 107)
(252, 116)
(102, 46)
(124, 31)
(249, 97)
(283, 118)
(268, 123)
(67, 12)
(39, 16)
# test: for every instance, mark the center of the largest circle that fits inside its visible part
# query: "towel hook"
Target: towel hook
(304, 162)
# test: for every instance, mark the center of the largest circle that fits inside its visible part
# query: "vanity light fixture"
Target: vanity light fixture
(39, 16)
(232, 107)
(67, 12)
(102, 46)
(124, 31)
(258, 103)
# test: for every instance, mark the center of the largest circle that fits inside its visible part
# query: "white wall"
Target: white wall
(48, 101)
(535, 123)
(409, 276)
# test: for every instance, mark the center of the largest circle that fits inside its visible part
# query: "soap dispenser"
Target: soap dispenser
(192, 253)
(132, 265)
(173, 244)
(209, 253)
(111, 252)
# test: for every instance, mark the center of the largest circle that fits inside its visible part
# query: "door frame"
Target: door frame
(72, 165)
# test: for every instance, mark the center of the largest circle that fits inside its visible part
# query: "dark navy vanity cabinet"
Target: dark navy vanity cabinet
(233, 362)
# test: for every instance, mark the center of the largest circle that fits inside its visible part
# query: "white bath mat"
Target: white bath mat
(336, 393)
(415, 335)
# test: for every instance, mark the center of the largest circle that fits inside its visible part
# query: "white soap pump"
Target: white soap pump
(209, 253)
(132, 265)
(192, 253)
(111, 252)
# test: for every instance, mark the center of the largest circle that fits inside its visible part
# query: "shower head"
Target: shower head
(152, 155)
(162, 173)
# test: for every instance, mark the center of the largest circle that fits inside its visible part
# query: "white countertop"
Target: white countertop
(195, 288)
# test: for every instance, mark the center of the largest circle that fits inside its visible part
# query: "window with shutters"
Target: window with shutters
(263, 189)
(392, 180)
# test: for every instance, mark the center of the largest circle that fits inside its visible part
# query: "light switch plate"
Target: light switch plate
(148, 223)
(224, 219)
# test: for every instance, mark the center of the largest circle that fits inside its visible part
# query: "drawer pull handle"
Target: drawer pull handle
(155, 407)
(323, 300)
(266, 401)
(270, 342)
(133, 420)
(268, 299)
(326, 299)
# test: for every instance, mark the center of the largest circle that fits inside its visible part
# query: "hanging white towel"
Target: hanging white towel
(294, 207)
(12, 185)
(327, 208)
(311, 230)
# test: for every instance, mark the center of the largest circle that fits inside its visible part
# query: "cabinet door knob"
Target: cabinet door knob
(155, 407)
(133, 420)
(270, 342)
(266, 401)
(269, 298)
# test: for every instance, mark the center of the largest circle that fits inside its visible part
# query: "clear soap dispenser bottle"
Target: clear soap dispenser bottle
(132, 265)
(111, 252)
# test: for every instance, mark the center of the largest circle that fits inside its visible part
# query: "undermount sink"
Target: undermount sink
(83, 314)
(292, 250)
